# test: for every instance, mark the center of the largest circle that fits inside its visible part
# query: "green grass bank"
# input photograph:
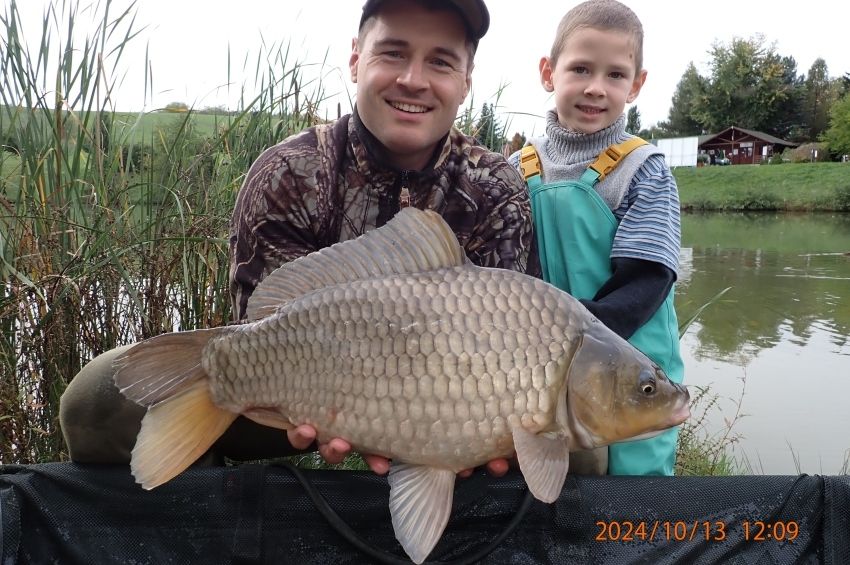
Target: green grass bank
(789, 186)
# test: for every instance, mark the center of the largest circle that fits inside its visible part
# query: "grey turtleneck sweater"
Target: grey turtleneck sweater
(641, 278)
(565, 154)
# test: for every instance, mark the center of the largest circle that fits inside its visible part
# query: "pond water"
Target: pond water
(778, 342)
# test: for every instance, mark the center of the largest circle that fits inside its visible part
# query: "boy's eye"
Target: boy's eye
(580, 70)
(617, 75)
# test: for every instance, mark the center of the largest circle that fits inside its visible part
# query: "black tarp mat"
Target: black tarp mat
(67, 514)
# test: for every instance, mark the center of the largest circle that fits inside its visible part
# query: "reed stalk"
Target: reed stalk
(111, 230)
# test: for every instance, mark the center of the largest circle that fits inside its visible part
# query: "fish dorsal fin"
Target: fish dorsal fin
(413, 241)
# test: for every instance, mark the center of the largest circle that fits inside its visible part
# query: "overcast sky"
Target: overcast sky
(188, 42)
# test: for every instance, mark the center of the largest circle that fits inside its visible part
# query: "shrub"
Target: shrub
(842, 198)
(803, 153)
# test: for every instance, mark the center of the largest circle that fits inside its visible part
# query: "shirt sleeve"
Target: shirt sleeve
(271, 225)
(628, 299)
(650, 221)
(504, 238)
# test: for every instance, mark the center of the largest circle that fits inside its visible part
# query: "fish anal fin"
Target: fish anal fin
(413, 241)
(175, 433)
(420, 505)
(543, 461)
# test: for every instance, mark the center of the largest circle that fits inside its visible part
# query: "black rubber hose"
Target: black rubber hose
(384, 557)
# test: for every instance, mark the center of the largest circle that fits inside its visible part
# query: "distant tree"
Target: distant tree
(219, 110)
(819, 97)
(488, 131)
(176, 107)
(837, 137)
(748, 84)
(517, 142)
(787, 111)
(633, 120)
(689, 94)
(844, 84)
(653, 132)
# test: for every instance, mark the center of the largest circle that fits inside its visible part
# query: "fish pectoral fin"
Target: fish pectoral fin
(420, 504)
(175, 433)
(543, 461)
(268, 417)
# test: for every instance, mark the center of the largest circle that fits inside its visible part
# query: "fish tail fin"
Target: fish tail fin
(175, 433)
(166, 374)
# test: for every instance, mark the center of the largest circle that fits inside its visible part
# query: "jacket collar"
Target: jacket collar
(371, 155)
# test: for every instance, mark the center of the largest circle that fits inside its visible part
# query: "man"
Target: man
(412, 63)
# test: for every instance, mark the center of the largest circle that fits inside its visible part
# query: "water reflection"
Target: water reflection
(784, 326)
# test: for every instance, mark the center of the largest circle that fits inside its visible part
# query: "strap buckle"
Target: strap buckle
(606, 161)
(529, 162)
(613, 154)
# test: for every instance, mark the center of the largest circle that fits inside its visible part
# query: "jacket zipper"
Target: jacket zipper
(404, 193)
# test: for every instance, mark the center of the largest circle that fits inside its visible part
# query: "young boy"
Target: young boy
(608, 236)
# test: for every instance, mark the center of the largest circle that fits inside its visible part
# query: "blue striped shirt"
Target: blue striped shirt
(650, 224)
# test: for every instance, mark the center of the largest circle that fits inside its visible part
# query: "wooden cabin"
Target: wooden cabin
(741, 146)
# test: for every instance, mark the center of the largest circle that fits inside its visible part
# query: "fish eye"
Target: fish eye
(647, 383)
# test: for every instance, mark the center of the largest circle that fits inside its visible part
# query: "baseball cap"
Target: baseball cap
(473, 12)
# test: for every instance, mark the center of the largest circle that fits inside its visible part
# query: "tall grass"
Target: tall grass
(700, 451)
(94, 252)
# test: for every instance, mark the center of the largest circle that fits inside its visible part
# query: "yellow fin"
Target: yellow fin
(175, 433)
(412, 242)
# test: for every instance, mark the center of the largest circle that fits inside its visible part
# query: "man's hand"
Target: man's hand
(337, 449)
(333, 451)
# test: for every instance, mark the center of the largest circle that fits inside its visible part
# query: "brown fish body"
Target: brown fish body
(395, 342)
(429, 368)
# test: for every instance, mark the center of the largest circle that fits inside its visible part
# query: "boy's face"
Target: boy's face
(593, 79)
(412, 73)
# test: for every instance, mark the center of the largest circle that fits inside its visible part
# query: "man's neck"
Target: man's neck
(386, 158)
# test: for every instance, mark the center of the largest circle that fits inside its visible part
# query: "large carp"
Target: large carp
(397, 343)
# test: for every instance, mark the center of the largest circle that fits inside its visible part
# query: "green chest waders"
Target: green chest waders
(575, 232)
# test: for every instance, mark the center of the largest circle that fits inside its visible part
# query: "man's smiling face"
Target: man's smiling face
(411, 66)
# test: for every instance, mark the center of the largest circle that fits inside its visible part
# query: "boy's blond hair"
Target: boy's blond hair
(603, 15)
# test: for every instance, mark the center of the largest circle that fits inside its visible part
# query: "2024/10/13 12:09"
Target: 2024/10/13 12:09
(681, 530)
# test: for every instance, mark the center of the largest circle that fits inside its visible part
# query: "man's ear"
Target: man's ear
(467, 84)
(637, 84)
(353, 60)
(546, 74)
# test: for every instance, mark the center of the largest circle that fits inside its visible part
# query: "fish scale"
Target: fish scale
(409, 376)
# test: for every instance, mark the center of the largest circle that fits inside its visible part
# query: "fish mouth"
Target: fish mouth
(683, 409)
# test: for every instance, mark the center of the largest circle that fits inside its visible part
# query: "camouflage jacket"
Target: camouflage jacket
(329, 183)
